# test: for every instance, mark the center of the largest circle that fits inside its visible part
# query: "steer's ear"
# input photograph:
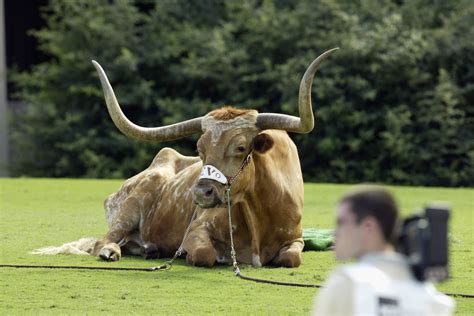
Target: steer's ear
(262, 143)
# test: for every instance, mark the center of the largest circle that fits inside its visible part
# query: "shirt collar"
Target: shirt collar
(383, 256)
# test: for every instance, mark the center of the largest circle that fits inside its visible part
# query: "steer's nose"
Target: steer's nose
(205, 191)
(206, 194)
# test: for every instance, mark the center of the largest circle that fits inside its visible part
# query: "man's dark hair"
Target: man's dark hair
(374, 201)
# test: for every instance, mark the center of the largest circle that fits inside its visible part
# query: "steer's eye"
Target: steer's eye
(241, 149)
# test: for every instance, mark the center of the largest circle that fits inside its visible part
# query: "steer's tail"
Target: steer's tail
(83, 246)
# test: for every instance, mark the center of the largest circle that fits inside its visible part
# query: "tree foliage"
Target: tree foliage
(393, 105)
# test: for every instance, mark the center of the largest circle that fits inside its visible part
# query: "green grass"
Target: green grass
(42, 212)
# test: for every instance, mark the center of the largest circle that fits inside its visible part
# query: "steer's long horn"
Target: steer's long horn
(132, 130)
(304, 123)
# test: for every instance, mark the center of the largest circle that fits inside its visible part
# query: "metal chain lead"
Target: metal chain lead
(232, 249)
(229, 209)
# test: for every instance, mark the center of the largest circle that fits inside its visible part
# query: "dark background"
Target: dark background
(393, 105)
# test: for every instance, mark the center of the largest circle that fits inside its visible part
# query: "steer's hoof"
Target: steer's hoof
(202, 257)
(110, 253)
(288, 259)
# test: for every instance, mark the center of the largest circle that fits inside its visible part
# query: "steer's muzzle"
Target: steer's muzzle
(209, 193)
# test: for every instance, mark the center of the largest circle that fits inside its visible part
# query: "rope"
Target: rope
(243, 277)
(165, 266)
(460, 295)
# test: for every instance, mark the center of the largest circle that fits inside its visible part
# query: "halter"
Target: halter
(212, 173)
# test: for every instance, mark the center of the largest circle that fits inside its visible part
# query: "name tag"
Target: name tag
(211, 172)
(388, 307)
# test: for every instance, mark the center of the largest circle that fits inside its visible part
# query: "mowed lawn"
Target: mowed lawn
(42, 212)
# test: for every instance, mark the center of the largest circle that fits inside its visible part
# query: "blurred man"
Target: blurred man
(380, 282)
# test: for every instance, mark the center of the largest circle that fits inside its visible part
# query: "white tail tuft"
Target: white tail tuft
(83, 246)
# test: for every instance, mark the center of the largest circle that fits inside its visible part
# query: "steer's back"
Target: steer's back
(156, 195)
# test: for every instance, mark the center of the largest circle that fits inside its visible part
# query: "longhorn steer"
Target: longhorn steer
(149, 214)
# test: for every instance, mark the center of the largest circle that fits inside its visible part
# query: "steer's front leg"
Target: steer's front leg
(124, 221)
(290, 254)
(251, 222)
(199, 248)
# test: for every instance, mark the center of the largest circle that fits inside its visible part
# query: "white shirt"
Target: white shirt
(379, 284)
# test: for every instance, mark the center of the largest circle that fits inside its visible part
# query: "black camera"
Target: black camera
(423, 239)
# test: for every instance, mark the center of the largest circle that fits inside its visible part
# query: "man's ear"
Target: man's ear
(262, 143)
(371, 224)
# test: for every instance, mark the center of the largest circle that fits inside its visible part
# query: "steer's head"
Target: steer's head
(225, 148)
(228, 137)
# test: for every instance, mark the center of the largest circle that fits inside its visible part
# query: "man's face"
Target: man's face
(349, 234)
